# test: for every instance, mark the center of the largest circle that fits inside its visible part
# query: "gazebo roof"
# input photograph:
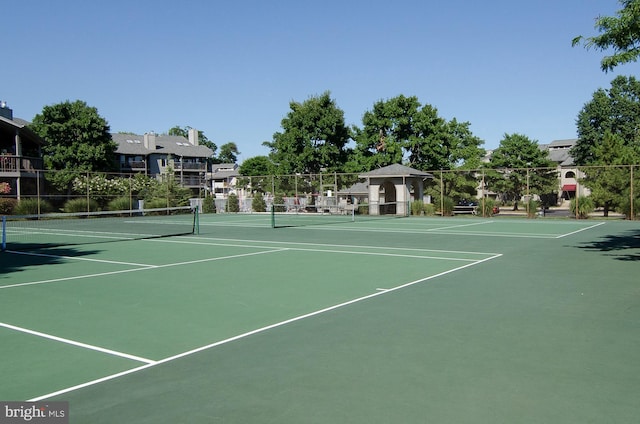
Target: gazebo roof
(395, 170)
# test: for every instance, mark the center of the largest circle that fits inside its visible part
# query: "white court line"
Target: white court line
(256, 331)
(460, 226)
(101, 274)
(77, 344)
(430, 231)
(347, 252)
(79, 258)
(580, 230)
(294, 243)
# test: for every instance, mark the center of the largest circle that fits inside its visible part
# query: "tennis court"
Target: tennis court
(412, 320)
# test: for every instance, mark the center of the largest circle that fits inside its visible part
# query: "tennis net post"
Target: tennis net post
(4, 234)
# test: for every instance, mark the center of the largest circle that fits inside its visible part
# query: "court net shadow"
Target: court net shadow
(17, 261)
(624, 247)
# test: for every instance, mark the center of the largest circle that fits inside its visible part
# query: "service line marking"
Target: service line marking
(124, 271)
(256, 331)
(77, 344)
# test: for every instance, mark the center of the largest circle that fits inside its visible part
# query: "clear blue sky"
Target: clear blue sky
(231, 68)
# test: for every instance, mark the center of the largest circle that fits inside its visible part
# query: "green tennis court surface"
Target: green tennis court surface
(408, 320)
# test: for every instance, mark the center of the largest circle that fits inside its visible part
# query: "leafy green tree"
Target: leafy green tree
(228, 153)
(258, 204)
(77, 139)
(256, 174)
(257, 166)
(620, 34)
(314, 138)
(233, 203)
(520, 165)
(166, 193)
(616, 110)
(401, 129)
(385, 133)
(610, 184)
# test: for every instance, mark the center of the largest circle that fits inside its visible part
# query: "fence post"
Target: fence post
(631, 214)
(38, 189)
(88, 194)
(441, 194)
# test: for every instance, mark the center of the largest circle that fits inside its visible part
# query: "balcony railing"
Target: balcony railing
(191, 181)
(133, 166)
(189, 166)
(10, 164)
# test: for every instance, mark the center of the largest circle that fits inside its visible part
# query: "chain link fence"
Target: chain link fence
(486, 191)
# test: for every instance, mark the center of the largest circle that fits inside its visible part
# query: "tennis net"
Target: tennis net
(28, 232)
(298, 216)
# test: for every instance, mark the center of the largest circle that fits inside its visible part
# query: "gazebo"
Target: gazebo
(392, 188)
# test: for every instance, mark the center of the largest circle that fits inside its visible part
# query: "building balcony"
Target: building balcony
(189, 166)
(19, 166)
(133, 166)
(191, 181)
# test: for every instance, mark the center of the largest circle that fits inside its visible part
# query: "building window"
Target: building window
(570, 174)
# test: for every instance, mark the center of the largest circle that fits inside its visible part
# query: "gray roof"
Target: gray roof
(133, 144)
(216, 167)
(223, 171)
(559, 151)
(223, 175)
(395, 170)
(357, 188)
(561, 157)
(568, 143)
(22, 126)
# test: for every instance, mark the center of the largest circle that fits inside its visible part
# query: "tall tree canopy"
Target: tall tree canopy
(260, 168)
(610, 184)
(314, 138)
(616, 110)
(228, 153)
(401, 129)
(519, 164)
(621, 33)
(256, 166)
(385, 132)
(76, 138)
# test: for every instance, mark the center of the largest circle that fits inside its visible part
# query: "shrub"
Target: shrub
(625, 208)
(80, 205)
(120, 204)
(155, 203)
(585, 207)
(233, 205)
(278, 203)
(447, 206)
(30, 207)
(258, 204)
(429, 209)
(417, 207)
(209, 205)
(489, 204)
(532, 208)
(7, 205)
